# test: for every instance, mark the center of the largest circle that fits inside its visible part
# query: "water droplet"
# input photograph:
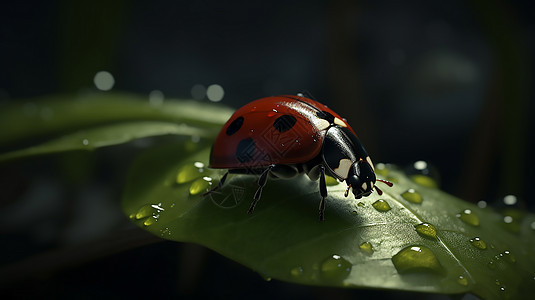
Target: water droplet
(361, 204)
(335, 268)
(510, 200)
(426, 230)
(468, 217)
(381, 205)
(424, 180)
(158, 207)
(266, 277)
(104, 81)
(412, 196)
(497, 282)
(215, 92)
(165, 232)
(200, 185)
(367, 248)
(491, 265)
(420, 165)
(511, 224)
(132, 216)
(85, 142)
(189, 172)
(478, 243)
(423, 174)
(354, 212)
(144, 212)
(297, 271)
(482, 204)
(149, 221)
(416, 259)
(508, 256)
(462, 280)
(330, 181)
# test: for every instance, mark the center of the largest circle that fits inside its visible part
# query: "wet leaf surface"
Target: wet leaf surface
(424, 245)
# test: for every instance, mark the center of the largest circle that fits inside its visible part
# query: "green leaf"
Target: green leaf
(64, 123)
(411, 238)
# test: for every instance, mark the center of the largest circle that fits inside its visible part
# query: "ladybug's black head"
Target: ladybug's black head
(361, 179)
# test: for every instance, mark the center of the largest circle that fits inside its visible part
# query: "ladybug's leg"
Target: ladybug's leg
(218, 186)
(261, 183)
(323, 192)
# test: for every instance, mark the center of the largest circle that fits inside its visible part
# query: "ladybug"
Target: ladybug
(286, 135)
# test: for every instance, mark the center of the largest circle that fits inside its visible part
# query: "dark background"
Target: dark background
(449, 82)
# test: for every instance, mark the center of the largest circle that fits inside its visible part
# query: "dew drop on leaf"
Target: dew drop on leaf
(200, 185)
(478, 243)
(165, 232)
(360, 204)
(367, 248)
(412, 196)
(426, 230)
(424, 180)
(416, 259)
(335, 268)
(381, 205)
(462, 280)
(508, 256)
(150, 221)
(468, 217)
(423, 174)
(189, 172)
(144, 212)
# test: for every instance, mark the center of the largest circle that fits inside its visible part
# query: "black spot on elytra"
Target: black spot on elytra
(284, 123)
(325, 115)
(235, 126)
(245, 150)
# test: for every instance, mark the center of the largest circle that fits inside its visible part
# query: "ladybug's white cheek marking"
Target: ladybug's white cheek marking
(337, 121)
(321, 124)
(343, 168)
(369, 160)
(364, 186)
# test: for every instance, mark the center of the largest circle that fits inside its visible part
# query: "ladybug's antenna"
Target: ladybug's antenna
(390, 184)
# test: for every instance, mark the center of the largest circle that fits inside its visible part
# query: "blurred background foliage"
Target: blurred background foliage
(446, 82)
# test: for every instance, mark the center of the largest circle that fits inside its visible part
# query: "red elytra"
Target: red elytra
(299, 145)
